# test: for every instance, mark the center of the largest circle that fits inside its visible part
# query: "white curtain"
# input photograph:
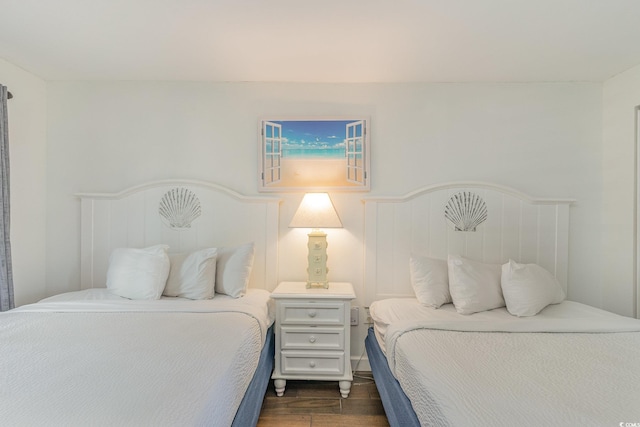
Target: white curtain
(6, 275)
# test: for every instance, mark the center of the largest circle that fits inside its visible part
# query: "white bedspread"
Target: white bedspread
(573, 365)
(129, 363)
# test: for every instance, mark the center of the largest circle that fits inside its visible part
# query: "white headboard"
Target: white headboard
(206, 215)
(517, 226)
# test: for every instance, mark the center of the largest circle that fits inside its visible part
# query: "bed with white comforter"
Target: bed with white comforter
(467, 283)
(93, 358)
(571, 364)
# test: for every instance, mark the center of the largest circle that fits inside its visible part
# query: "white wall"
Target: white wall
(27, 151)
(621, 98)
(542, 139)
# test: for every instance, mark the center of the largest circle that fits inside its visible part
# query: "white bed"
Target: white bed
(123, 362)
(569, 364)
(94, 358)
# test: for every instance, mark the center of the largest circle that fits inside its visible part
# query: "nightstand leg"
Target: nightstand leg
(280, 385)
(345, 388)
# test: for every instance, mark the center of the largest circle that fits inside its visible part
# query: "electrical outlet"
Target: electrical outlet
(355, 315)
(369, 320)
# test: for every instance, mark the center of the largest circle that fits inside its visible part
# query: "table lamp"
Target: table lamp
(316, 211)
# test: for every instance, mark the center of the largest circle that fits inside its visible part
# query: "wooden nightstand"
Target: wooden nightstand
(313, 334)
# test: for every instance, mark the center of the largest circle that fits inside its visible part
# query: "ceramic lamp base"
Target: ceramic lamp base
(317, 260)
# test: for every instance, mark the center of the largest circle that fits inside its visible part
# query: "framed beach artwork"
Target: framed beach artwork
(314, 153)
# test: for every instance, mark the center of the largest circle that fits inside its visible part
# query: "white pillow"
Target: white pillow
(474, 286)
(233, 270)
(192, 275)
(138, 273)
(430, 280)
(528, 288)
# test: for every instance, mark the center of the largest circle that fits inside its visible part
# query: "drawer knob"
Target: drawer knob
(312, 339)
(312, 313)
(312, 364)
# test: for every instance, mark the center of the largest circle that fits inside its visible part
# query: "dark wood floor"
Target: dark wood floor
(318, 404)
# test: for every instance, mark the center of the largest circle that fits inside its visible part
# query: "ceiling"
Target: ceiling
(322, 40)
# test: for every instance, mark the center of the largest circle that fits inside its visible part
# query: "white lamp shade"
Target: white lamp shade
(316, 211)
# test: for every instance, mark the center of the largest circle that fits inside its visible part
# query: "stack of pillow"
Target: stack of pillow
(150, 273)
(472, 286)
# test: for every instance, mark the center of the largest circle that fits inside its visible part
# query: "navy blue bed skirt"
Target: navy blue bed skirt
(396, 404)
(249, 409)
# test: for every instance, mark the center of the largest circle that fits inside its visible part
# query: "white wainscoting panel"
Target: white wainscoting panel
(518, 227)
(131, 218)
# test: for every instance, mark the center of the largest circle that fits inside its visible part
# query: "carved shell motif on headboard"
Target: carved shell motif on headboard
(465, 211)
(179, 207)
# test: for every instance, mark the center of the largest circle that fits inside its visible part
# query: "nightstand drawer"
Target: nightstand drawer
(298, 362)
(293, 338)
(298, 313)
